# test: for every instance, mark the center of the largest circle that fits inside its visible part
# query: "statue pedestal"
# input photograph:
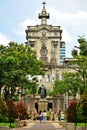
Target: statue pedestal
(42, 105)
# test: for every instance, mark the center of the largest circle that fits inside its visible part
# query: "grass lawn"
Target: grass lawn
(81, 124)
(13, 125)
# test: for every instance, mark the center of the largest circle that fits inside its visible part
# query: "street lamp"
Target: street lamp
(84, 50)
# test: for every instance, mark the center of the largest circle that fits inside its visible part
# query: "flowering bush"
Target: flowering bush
(22, 110)
(71, 112)
(13, 112)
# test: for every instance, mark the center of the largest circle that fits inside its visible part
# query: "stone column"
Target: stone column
(27, 102)
(54, 104)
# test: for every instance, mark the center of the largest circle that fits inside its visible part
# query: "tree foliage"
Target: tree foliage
(59, 88)
(69, 84)
(16, 63)
(72, 79)
(81, 62)
(83, 46)
(3, 107)
(82, 108)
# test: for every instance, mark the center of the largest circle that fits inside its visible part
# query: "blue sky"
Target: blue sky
(16, 15)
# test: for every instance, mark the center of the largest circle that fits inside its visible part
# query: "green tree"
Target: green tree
(83, 107)
(81, 62)
(17, 62)
(1, 73)
(59, 88)
(69, 84)
(3, 108)
(72, 80)
(83, 46)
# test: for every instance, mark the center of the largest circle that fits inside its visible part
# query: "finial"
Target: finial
(44, 15)
(44, 4)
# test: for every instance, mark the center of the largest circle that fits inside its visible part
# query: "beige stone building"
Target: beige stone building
(46, 40)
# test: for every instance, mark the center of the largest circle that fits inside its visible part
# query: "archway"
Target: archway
(50, 106)
(36, 106)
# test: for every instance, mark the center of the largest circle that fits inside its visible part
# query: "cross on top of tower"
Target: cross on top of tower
(44, 4)
(44, 15)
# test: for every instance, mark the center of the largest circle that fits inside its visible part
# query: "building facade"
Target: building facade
(46, 40)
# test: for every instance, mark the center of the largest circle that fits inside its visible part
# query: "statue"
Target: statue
(42, 92)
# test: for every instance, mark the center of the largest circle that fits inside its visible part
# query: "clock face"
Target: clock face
(43, 52)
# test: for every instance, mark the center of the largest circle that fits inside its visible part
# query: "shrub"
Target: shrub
(4, 119)
(23, 110)
(71, 112)
(13, 112)
(3, 107)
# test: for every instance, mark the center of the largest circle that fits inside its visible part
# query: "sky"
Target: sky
(16, 15)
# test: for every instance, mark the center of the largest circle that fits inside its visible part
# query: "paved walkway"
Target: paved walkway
(41, 126)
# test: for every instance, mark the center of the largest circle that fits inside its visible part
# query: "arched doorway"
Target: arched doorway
(36, 106)
(50, 106)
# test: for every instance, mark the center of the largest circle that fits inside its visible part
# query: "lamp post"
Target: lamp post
(84, 50)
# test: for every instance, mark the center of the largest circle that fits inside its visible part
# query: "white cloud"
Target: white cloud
(29, 22)
(75, 19)
(23, 26)
(72, 24)
(4, 40)
(67, 20)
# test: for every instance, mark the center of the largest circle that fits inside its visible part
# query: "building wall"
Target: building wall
(46, 40)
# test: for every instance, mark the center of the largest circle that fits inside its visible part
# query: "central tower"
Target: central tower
(46, 41)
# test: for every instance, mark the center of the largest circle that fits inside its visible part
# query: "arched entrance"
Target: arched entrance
(36, 106)
(50, 106)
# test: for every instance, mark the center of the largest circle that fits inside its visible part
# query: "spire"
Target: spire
(43, 15)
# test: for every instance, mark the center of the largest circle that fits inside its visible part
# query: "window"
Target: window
(57, 76)
(32, 45)
(53, 77)
(60, 77)
(62, 49)
(62, 45)
(55, 33)
(48, 77)
(32, 34)
(62, 52)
